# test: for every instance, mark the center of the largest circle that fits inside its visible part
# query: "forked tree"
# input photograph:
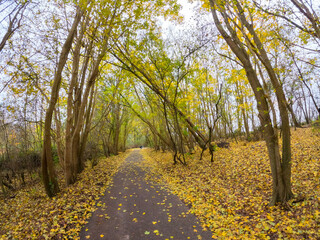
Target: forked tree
(236, 25)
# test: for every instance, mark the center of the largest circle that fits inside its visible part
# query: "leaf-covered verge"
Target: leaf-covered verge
(231, 195)
(32, 215)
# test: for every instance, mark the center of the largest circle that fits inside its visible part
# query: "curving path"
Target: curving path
(133, 209)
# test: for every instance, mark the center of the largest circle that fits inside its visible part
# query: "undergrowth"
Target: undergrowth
(32, 215)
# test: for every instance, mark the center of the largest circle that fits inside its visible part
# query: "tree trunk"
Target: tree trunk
(246, 124)
(293, 116)
(86, 130)
(116, 127)
(68, 166)
(281, 171)
(2, 186)
(48, 173)
(282, 105)
(59, 142)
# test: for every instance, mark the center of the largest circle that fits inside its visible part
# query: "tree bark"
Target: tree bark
(86, 129)
(282, 104)
(281, 170)
(47, 166)
(116, 128)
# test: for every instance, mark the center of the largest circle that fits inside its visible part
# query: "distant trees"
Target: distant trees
(76, 62)
(19, 147)
(169, 78)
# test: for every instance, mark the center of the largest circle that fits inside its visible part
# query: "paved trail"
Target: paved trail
(133, 209)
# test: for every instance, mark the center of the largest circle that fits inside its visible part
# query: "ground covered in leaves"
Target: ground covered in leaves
(140, 210)
(32, 215)
(231, 195)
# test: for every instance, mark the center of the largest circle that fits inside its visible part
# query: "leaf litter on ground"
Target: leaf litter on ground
(32, 215)
(231, 195)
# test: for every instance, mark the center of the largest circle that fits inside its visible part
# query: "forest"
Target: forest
(222, 96)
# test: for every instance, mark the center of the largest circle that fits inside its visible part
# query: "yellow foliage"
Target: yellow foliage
(231, 195)
(32, 215)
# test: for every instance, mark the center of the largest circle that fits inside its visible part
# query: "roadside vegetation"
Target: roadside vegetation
(30, 214)
(231, 195)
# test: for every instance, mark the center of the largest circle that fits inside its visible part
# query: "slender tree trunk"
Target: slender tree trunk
(246, 124)
(281, 170)
(59, 138)
(2, 186)
(265, 86)
(152, 128)
(48, 173)
(116, 129)
(173, 144)
(125, 135)
(68, 166)
(86, 130)
(293, 116)
(282, 105)
(304, 83)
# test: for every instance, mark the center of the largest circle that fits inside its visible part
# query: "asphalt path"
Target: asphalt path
(136, 209)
